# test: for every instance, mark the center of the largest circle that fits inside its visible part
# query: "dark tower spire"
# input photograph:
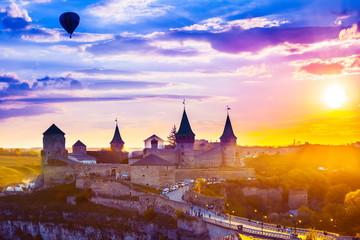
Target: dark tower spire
(117, 144)
(228, 130)
(185, 128)
(228, 144)
(185, 139)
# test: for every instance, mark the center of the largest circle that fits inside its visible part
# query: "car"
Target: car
(166, 189)
(176, 186)
(172, 188)
(165, 192)
(181, 184)
(125, 177)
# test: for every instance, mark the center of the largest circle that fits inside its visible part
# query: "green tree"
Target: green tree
(337, 193)
(172, 138)
(352, 203)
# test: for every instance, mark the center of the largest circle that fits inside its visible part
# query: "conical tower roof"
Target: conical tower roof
(228, 130)
(117, 137)
(79, 144)
(185, 128)
(53, 129)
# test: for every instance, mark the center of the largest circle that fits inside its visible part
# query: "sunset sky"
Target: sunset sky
(136, 60)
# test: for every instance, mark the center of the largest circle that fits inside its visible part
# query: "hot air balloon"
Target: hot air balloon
(69, 21)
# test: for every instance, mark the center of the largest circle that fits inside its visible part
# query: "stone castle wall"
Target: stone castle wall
(297, 198)
(272, 194)
(108, 187)
(211, 158)
(170, 155)
(112, 193)
(154, 176)
(54, 175)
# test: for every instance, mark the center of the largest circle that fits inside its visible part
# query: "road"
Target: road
(178, 194)
(253, 226)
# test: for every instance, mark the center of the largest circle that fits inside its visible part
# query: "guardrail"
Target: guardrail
(263, 233)
(273, 227)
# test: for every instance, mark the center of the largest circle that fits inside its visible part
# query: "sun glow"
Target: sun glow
(334, 96)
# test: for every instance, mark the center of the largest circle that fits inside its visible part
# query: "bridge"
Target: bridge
(251, 227)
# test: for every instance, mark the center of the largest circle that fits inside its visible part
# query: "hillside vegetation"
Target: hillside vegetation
(14, 169)
(330, 174)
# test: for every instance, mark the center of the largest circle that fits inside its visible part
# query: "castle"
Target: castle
(185, 156)
(156, 167)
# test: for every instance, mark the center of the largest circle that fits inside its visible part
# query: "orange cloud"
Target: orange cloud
(323, 68)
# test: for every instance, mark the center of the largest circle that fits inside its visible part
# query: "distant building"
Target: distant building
(153, 171)
(79, 148)
(79, 154)
(147, 142)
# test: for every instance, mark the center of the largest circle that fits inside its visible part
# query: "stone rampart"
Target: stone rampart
(170, 155)
(54, 175)
(200, 200)
(109, 187)
(297, 198)
(211, 158)
(271, 194)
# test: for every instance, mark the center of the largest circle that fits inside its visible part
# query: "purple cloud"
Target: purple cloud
(25, 111)
(238, 40)
(104, 99)
(98, 71)
(9, 78)
(122, 45)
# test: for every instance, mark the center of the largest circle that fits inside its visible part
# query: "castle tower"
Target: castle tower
(228, 144)
(53, 144)
(185, 139)
(117, 144)
(79, 148)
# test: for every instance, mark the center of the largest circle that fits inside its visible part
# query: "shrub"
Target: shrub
(180, 214)
(149, 214)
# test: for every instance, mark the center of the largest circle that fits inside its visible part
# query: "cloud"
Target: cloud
(316, 68)
(25, 111)
(57, 35)
(42, 100)
(9, 78)
(101, 71)
(125, 45)
(239, 40)
(101, 85)
(350, 33)
(127, 10)
(216, 25)
(14, 18)
(323, 68)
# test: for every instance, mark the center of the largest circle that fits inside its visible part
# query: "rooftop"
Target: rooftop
(152, 160)
(53, 129)
(185, 128)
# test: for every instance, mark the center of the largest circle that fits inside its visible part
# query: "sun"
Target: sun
(334, 96)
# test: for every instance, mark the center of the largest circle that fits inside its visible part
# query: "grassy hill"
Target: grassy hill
(309, 157)
(15, 169)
